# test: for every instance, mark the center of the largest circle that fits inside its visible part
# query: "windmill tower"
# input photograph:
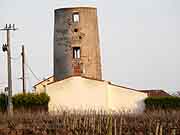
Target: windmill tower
(76, 43)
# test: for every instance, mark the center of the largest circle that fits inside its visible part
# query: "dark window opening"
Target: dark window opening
(75, 30)
(76, 52)
(80, 37)
(75, 17)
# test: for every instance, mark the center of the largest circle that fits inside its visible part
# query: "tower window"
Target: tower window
(76, 17)
(76, 52)
(75, 30)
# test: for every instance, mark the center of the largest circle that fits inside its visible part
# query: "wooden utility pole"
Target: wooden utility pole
(23, 70)
(10, 106)
(6, 47)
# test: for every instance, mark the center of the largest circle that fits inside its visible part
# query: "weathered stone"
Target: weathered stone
(82, 34)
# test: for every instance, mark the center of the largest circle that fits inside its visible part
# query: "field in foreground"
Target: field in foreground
(91, 123)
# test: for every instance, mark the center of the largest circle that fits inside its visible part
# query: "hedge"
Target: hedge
(162, 102)
(3, 102)
(29, 100)
(26, 101)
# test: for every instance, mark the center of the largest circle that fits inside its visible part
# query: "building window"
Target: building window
(76, 52)
(76, 17)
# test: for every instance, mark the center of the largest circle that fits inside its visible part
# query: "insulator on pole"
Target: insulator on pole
(9, 26)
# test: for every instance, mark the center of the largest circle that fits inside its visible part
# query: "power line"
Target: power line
(30, 83)
(27, 73)
(29, 80)
(32, 72)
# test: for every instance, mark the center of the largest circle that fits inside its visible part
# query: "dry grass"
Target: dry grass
(92, 123)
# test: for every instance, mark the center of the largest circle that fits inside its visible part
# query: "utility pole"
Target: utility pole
(6, 47)
(23, 70)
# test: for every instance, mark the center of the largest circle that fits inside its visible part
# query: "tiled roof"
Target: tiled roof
(155, 93)
(43, 81)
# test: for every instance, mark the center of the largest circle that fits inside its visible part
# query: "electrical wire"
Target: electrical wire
(29, 82)
(30, 69)
(32, 72)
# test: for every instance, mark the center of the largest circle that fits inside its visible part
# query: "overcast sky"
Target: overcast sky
(139, 39)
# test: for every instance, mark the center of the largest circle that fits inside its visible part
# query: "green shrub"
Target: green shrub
(30, 100)
(3, 102)
(162, 102)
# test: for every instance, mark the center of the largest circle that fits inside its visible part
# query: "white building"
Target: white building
(78, 92)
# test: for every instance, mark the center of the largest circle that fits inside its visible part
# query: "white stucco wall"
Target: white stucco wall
(124, 99)
(41, 87)
(83, 93)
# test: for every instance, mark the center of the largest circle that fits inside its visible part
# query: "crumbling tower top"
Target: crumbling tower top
(76, 43)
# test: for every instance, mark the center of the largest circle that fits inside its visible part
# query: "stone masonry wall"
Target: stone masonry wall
(83, 34)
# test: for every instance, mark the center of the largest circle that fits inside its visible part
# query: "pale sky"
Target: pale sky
(139, 41)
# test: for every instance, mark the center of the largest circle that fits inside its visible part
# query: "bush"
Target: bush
(162, 102)
(3, 102)
(30, 101)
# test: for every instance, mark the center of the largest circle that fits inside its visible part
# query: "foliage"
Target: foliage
(3, 102)
(30, 100)
(162, 102)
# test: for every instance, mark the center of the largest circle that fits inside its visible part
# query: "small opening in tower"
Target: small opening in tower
(75, 30)
(76, 17)
(76, 52)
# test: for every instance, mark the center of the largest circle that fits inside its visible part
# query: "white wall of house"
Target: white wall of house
(83, 93)
(41, 86)
(124, 99)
